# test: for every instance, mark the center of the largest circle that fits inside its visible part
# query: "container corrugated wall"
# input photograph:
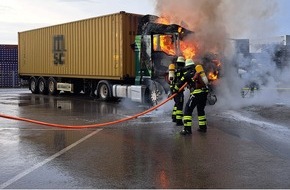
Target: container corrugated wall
(9, 66)
(93, 48)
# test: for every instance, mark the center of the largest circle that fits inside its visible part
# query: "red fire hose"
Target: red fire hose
(92, 125)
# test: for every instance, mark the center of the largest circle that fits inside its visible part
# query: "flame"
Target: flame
(213, 76)
(163, 20)
(188, 50)
(212, 64)
(165, 43)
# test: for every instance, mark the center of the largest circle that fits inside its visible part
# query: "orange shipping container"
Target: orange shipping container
(95, 48)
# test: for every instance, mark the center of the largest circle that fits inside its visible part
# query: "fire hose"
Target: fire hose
(92, 125)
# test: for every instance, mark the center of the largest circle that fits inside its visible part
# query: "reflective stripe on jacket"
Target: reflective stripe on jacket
(197, 91)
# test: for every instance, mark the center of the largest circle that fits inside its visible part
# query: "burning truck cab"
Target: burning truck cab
(158, 45)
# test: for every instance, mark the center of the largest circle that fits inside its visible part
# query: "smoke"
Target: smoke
(216, 23)
(201, 16)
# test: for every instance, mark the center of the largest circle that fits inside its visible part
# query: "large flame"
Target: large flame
(188, 49)
(165, 43)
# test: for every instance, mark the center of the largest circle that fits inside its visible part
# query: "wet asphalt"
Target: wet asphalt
(247, 148)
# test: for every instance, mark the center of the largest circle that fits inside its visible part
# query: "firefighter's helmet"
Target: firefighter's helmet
(189, 63)
(180, 61)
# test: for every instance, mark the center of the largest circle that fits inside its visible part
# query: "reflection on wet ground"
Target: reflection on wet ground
(146, 152)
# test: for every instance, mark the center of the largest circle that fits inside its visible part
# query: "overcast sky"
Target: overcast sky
(21, 15)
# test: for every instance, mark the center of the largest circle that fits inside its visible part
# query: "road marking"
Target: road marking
(26, 172)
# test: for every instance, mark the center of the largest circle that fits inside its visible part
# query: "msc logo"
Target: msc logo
(58, 49)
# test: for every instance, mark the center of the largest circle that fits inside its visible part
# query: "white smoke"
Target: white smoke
(215, 23)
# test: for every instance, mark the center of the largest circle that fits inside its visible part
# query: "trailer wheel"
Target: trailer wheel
(52, 89)
(42, 86)
(104, 90)
(33, 86)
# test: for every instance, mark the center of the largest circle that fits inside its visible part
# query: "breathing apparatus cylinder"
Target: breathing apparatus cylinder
(199, 69)
(171, 73)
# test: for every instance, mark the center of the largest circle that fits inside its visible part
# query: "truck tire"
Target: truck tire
(42, 86)
(33, 85)
(104, 90)
(154, 93)
(52, 89)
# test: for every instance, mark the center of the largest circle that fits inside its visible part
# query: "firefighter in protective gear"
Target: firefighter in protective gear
(197, 82)
(177, 112)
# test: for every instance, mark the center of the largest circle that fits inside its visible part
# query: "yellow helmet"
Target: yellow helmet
(189, 62)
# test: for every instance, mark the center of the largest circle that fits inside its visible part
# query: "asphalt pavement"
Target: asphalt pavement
(244, 147)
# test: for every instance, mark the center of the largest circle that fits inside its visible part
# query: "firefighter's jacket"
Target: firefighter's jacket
(179, 72)
(194, 82)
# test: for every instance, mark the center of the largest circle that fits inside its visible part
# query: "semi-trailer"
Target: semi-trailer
(120, 55)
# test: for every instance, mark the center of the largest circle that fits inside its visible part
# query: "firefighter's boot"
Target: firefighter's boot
(179, 122)
(173, 119)
(202, 129)
(187, 119)
(173, 116)
(202, 124)
(179, 115)
(186, 131)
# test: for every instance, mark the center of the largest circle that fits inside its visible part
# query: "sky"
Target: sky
(21, 15)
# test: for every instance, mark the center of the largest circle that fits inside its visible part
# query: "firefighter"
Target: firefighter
(198, 86)
(177, 112)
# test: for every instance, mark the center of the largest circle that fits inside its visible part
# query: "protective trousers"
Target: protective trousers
(177, 112)
(196, 100)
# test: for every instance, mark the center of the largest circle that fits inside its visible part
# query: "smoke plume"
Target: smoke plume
(216, 23)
